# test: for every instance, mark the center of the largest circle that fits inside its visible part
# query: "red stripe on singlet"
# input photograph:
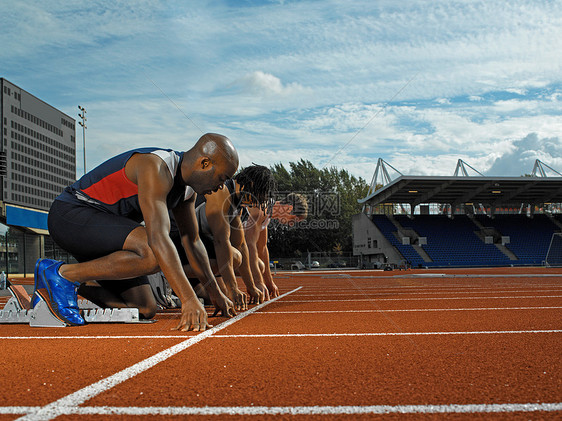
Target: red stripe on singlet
(112, 188)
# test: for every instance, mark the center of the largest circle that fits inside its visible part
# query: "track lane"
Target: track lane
(434, 362)
(344, 371)
(59, 406)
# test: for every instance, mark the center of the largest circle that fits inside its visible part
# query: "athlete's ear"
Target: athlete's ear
(205, 163)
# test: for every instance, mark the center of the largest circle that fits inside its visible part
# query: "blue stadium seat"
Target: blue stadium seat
(454, 242)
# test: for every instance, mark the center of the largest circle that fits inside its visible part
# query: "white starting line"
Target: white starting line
(407, 310)
(294, 410)
(297, 335)
(497, 297)
(336, 335)
(400, 293)
(314, 312)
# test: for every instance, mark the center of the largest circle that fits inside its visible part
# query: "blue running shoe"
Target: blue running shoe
(60, 295)
(40, 266)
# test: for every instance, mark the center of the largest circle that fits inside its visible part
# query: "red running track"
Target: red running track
(439, 344)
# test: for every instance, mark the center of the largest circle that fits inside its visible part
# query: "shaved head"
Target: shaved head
(209, 163)
(218, 148)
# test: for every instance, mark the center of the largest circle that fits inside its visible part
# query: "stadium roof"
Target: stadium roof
(455, 190)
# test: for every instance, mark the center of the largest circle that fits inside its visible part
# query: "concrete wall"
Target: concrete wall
(371, 244)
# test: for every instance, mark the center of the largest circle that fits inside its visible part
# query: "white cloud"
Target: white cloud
(521, 158)
(516, 91)
(265, 85)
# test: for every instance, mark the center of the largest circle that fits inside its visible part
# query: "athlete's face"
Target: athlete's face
(212, 179)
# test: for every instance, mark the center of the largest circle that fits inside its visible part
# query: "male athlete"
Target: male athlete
(222, 233)
(292, 208)
(98, 220)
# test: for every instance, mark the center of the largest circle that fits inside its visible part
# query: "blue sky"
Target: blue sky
(420, 84)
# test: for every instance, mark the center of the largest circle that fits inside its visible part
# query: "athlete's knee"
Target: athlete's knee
(148, 310)
(146, 303)
(261, 265)
(236, 258)
(137, 242)
(148, 258)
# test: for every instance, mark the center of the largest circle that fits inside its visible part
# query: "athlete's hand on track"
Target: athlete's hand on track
(264, 291)
(256, 296)
(193, 314)
(223, 305)
(239, 299)
(273, 290)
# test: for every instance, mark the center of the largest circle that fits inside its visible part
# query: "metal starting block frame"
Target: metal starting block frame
(13, 313)
(41, 315)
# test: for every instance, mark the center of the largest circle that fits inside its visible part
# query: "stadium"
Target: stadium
(460, 221)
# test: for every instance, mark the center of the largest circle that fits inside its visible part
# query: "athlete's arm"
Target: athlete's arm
(238, 240)
(216, 209)
(263, 253)
(154, 182)
(251, 235)
(186, 220)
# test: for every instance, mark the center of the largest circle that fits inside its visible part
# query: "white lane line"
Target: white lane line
(412, 310)
(432, 285)
(300, 410)
(427, 276)
(179, 338)
(351, 410)
(453, 292)
(495, 290)
(426, 298)
(408, 310)
(16, 410)
(444, 284)
(59, 406)
(320, 335)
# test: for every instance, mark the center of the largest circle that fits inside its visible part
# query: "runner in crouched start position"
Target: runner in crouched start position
(292, 208)
(98, 220)
(222, 233)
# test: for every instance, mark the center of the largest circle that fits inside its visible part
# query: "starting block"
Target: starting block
(13, 315)
(41, 316)
(87, 305)
(20, 297)
(18, 310)
(112, 315)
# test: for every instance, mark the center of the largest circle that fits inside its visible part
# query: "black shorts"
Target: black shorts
(207, 242)
(86, 232)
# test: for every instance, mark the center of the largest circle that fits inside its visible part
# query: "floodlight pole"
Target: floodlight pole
(83, 124)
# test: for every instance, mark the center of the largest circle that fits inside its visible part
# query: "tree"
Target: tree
(332, 194)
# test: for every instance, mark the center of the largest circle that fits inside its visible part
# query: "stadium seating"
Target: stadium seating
(529, 237)
(387, 228)
(454, 242)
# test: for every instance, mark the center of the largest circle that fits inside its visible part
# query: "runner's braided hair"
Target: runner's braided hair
(258, 181)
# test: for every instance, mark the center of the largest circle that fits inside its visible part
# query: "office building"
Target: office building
(38, 149)
(37, 161)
